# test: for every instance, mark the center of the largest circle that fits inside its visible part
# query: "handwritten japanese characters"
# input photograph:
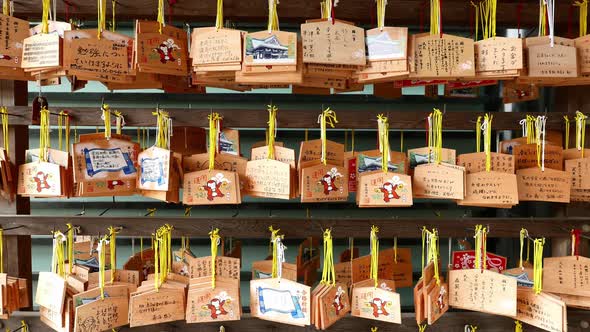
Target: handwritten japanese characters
(336, 42)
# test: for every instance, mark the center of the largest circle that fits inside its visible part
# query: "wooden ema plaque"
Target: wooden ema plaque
(442, 181)
(105, 167)
(476, 162)
(567, 275)
(154, 307)
(324, 183)
(102, 314)
(280, 300)
(206, 304)
(211, 187)
(579, 169)
(547, 186)
(266, 49)
(223, 161)
(154, 169)
(387, 43)
(513, 92)
(40, 179)
(310, 153)
(525, 156)
(465, 260)
(228, 267)
(51, 291)
(282, 154)
(379, 189)
(161, 53)
(42, 51)
(263, 270)
(376, 304)
(483, 291)
(445, 56)
(421, 156)
(330, 303)
(371, 161)
(216, 46)
(400, 272)
(583, 48)
(542, 310)
(557, 61)
(268, 178)
(553, 138)
(333, 42)
(11, 41)
(490, 189)
(498, 54)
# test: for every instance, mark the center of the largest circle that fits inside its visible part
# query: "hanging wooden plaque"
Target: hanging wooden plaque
(547, 186)
(334, 304)
(14, 31)
(42, 51)
(387, 43)
(333, 42)
(556, 61)
(441, 181)
(216, 46)
(206, 304)
(40, 179)
(465, 260)
(400, 272)
(154, 307)
(541, 310)
(492, 189)
(476, 162)
(425, 155)
(444, 56)
(437, 302)
(102, 314)
(280, 300)
(266, 49)
(567, 275)
(310, 153)
(211, 187)
(583, 47)
(379, 189)
(228, 267)
(579, 169)
(377, 304)
(472, 290)
(154, 169)
(324, 183)
(371, 161)
(263, 270)
(498, 54)
(162, 52)
(268, 178)
(525, 156)
(51, 291)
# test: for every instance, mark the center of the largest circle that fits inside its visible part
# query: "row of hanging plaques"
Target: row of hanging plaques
(328, 54)
(530, 168)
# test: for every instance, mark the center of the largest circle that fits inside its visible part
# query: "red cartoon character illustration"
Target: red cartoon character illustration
(111, 184)
(213, 186)
(328, 181)
(440, 300)
(215, 305)
(5, 57)
(379, 307)
(41, 180)
(165, 50)
(389, 189)
(338, 304)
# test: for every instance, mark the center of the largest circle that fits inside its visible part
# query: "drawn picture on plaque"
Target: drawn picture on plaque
(280, 301)
(338, 302)
(152, 170)
(368, 163)
(167, 51)
(216, 308)
(108, 160)
(270, 49)
(214, 186)
(390, 189)
(328, 181)
(386, 44)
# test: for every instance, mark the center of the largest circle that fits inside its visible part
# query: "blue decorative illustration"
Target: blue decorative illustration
(108, 160)
(294, 311)
(152, 170)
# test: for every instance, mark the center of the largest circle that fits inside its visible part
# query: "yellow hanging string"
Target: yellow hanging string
(476, 20)
(141, 249)
(538, 265)
(424, 238)
(434, 254)
(155, 243)
(272, 130)
(23, 326)
(44, 130)
(383, 126)
(101, 265)
(517, 326)
(70, 246)
(374, 329)
(580, 131)
(422, 328)
(214, 236)
(219, 16)
(45, 16)
(113, 248)
(58, 254)
(114, 22)
(188, 211)
(106, 117)
(161, 15)
(473, 328)
(523, 236)
(480, 246)
(328, 271)
(214, 128)
(401, 141)
(352, 140)
(395, 249)
(169, 249)
(119, 122)
(435, 135)
(487, 140)
(435, 17)
(273, 17)
(567, 131)
(275, 263)
(102, 20)
(5, 137)
(381, 4)
(328, 117)
(583, 16)
(542, 14)
(374, 272)
(163, 129)
(60, 129)
(1, 250)
(5, 8)
(324, 9)
(478, 134)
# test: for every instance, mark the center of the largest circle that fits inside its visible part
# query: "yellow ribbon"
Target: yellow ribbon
(60, 130)
(401, 141)
(214, 128)
(374, 329)
(478, 132)
(328, 117)
(395, 249)
(530, 129)
(161, 15)
(480, 247)
(1, 250)
(45, 16)
(328, 271)
(424, 236)
(434, 254)
(374, 272)
(517, 326)
(5, 137)
(583, 16)
(214, 236)
(58, 254)
(102, 21)
(435, 17)
(219, 17)
(101, 264)
(70, 246)
(381, 4)
(422, 328)
(383, 126)
(23, 326)
(272, 130)
(273, 17)
(487, 140)
(119, 122)
(187, 211)
(473, 328)
(567, 131)
(113, 247)
(44, 140)
(114, 22)
(523, 237)
(164, 129)
(275, 262)
(580, 131)
(156, 244)
(106, 117)
(542, 14)
(538, 265)
(5, 7)
(435, 136)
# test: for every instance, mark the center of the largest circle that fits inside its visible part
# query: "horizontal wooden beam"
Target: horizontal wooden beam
(455, 13)
(291, 118)
(294, 228)
(450, 322)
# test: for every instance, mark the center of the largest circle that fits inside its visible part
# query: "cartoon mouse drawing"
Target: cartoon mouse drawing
(41, 180)
(216, 308)
(389, 189)
(328, 181)
(165, 50)
(379, 307)
(338, 304)
(213, 186)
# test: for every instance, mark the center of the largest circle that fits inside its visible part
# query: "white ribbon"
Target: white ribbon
(579, 128)
(322, 134)
(551, 19)
(523, 125)
(280, 254)
(58, 237)
(100, 262)
(540, 122)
